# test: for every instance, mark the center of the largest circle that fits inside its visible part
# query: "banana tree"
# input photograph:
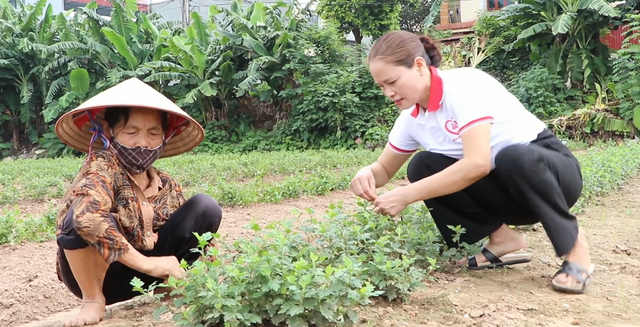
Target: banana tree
(566, 33)
(24, 31)
(262, 34)
(110, 50)
(132, 39)
(196, 63)
(79, 87)
(75, 50)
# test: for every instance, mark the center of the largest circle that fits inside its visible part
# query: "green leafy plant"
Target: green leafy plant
(505, 62)
(566, 35)
(541, 92)
(625, 74)
(15, 229)
(319, 271)
(315, 274)
(235, 179)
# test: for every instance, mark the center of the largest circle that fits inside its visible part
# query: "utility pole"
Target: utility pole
(186, 12)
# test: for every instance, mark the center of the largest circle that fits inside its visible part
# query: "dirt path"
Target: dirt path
(514, 297)
(521, 296)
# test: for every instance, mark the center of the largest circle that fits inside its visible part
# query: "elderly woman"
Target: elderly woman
(122, 218)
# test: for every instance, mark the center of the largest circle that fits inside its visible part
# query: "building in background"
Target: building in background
(459, 16)
(104, 6)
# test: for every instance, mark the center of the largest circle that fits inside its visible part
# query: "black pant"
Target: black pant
(199, 214)
(532, 183)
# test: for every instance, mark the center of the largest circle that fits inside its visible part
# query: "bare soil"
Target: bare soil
(29, 208)
(514, 297)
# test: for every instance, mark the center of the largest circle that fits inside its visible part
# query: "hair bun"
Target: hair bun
(432, 50)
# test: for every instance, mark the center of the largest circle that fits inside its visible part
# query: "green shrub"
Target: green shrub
(335, 100)
(315, 275)
(15, 229)
(541, 92)
(606, 167)
(330, 102)
(504, 63)
(333, 106)
(625, 76)
(317, 272)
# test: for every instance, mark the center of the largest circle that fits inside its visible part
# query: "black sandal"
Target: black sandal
(576, 271)
(495, 262)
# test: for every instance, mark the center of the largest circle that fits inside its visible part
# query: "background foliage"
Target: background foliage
(261, 77)
(254, 75)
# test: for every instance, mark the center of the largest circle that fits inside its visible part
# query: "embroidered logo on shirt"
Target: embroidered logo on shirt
(451, 126)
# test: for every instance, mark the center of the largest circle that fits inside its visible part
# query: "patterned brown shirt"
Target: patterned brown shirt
(103, 188)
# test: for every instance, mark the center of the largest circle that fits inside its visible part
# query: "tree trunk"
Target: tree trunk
(15, 140)
(357, 35)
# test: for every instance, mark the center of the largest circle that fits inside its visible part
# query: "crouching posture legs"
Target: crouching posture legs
(531, 183)
(97, 283)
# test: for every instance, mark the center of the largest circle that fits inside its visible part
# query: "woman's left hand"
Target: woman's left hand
(391, 203)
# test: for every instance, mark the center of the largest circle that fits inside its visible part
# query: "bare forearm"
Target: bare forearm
(133, 259)
(380, 174)
(453, 179)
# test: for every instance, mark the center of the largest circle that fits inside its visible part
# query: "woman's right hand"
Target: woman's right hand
(163, 267)
(364, 184)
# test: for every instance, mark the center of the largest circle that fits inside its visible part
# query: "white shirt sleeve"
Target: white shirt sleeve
(400, 139)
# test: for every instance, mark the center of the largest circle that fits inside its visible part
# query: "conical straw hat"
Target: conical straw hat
(74, 127)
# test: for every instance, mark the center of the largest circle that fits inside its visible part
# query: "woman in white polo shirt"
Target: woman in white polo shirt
(488, 162)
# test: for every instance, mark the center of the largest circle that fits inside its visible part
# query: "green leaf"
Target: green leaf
(636, 116)
(165, 65)
(296, 321)
(534, 30)
(202, 32)
(228, 34)
(584, 4)
(433, 13)
(327, 309)
(258, 17)
(155, 34)
(207, 90)
(200, 59)
(254, 45)
(121, 22)
(353, 316)
(214, 11)
(166, 76)
(47, 20)
(33, 16)
(562, 23)
(120, 44)
(181, 51)
(79, 79)
(603, 8)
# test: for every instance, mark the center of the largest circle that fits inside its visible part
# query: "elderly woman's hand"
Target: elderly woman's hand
(163, 267)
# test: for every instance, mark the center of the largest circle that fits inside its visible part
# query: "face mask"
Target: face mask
(136, 160)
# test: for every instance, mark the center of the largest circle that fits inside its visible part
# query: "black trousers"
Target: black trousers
(199, 214)
(532, 183)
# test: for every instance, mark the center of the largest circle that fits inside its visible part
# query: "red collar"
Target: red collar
(435, 93)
